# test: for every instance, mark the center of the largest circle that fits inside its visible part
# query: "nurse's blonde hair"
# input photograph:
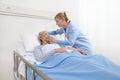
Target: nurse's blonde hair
(62, 15)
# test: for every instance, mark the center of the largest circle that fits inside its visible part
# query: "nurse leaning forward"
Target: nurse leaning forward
(72, 33)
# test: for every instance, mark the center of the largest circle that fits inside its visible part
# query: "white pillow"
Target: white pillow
(30, 41)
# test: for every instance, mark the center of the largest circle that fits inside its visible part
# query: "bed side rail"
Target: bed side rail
(18, 58)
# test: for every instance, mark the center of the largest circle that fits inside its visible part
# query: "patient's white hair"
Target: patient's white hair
(40, 34)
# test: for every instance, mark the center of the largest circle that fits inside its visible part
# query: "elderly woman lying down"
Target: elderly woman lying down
(60, 64)
(47, 49)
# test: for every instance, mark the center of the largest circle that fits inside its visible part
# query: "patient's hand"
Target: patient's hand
(79, 50)
(60, 50)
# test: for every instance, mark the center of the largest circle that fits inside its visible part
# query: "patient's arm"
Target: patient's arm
(79, 50)
(60, 50)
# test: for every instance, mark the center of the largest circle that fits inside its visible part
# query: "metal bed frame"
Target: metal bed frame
(17, 76)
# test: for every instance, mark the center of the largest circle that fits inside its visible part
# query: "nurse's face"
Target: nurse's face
(59, 22)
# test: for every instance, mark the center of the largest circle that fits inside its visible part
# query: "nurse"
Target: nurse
(73, 35)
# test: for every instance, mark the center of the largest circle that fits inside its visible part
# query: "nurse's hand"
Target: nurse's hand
(83, 52)
(52, 39)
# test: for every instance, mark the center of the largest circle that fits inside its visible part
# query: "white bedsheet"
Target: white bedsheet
(29, 57)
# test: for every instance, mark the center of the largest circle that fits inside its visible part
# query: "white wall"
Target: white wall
(101, 21)
(12, 26)
(11, 29)
(70, 6)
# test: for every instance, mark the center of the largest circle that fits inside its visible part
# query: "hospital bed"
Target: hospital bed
(70, 65)
(17, 59)
(23, 58)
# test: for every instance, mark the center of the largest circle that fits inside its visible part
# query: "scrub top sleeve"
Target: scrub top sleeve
(72, 36)
(58, 31)
(52, 32)
(63, 42)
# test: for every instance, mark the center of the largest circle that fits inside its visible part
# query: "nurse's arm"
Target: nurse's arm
(63, 42)
(58, 31)
(72, 36)
(60, 42)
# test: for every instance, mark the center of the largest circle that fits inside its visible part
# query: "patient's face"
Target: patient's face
(44, 34)
(44, 37)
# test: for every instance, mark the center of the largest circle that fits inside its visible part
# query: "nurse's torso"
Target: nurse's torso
(81, 41)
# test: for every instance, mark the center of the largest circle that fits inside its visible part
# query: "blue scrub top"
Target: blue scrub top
(74, 38)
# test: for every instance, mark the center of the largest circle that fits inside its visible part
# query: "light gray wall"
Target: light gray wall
(101, 21)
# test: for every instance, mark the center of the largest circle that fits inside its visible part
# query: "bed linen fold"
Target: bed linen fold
(75, 66)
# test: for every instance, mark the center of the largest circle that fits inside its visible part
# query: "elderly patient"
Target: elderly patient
(47, 49)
